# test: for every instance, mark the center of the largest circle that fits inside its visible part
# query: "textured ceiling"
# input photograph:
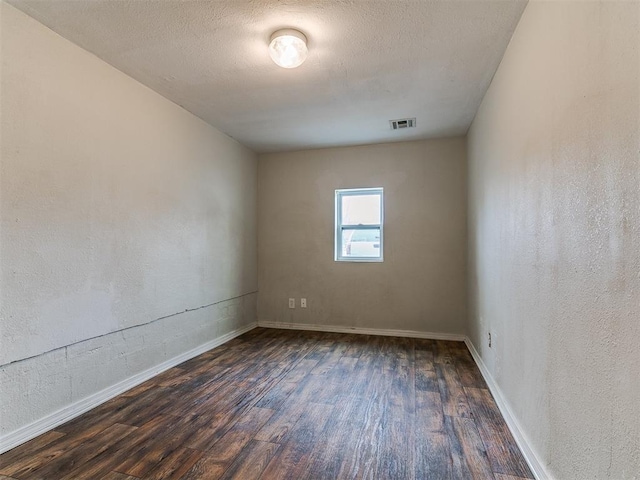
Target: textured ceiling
(369, 61)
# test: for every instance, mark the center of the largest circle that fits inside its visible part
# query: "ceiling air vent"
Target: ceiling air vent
(402, 123)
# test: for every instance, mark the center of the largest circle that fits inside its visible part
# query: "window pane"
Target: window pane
(361, 243)
(361, 209)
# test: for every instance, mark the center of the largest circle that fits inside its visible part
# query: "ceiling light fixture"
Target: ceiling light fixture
(288, 48)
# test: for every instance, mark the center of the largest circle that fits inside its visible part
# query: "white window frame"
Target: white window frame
(339, 227)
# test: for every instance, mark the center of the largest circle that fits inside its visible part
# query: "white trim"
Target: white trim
(533, 459)
(49, 422)
(384, 332)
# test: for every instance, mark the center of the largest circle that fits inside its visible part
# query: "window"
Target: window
(359, 220)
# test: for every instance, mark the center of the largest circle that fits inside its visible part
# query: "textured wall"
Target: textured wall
(554, 209)
(421, 285)
(118, 208)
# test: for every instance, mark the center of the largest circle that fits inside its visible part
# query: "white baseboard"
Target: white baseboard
(364, 331)
(534, 461)
(49, 422)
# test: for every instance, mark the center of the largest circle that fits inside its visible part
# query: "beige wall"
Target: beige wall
(421, 283)
(554, 208)
(120, 211)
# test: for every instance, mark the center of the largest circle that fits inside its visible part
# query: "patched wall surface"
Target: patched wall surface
(120, 211)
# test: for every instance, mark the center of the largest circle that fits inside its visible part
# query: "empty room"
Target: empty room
(319, 239)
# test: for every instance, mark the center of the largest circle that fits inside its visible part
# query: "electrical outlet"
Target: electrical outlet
(489, 339)
(303, 303)
(292, 303)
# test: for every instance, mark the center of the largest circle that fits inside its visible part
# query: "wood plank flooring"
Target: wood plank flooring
(283, 404)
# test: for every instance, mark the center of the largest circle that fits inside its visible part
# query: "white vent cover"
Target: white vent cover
(402, 123)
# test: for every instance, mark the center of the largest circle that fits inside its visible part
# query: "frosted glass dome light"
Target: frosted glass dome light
(288, 48)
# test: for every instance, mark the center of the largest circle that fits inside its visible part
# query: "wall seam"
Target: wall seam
(126, 328)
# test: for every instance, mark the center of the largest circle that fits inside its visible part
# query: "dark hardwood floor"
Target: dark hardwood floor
(281, 404)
